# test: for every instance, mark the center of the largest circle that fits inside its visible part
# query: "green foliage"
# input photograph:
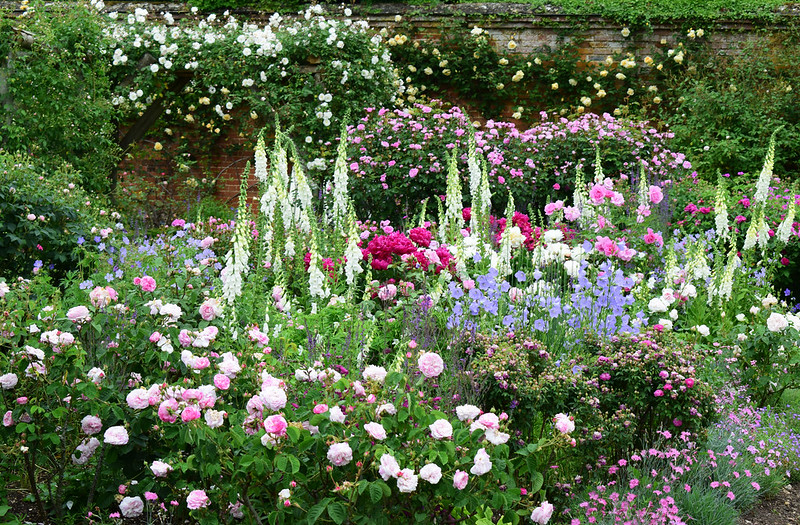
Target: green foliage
(728, 107)
(636, 387)
(42, 214)
(768, 353)
(57, 105)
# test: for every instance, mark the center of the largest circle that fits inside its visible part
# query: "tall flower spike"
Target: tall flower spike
(237, 258)
(721, 209)
(453, 219)
(785, 228)
(340, 195)
(644, 196)
(352, 254)
(262, 173)
(762, 185)
(504, 257)
(599, 177)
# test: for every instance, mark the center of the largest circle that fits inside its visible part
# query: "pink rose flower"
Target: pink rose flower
(116, 436)
(160, 469)
(197, 499)
(138, 399)
(340, 454)
(131, 507)
(78, 314)
(431, 473)
(441, 429)
(543, 512)
(210, 309)
(168, 411)
(375, 430)
(430, 364)
(147, 283)
(276, 424)
(656, 195)
(222, 381)
(91, 425)
(190, 413)
(460, 479)
(389, 467)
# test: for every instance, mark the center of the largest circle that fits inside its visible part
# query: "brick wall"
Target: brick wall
(531, 28)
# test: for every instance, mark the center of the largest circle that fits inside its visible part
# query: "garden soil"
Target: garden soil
(782, 509)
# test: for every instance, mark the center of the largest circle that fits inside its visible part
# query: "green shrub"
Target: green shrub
(42, 214)
(57, 107)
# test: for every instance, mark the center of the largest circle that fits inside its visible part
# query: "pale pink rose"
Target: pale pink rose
(214, 418)
(430, 364)
(201, 363)
(95, 375)
(168, 411)
(374, 373)
(8, 381)
(206, 243)
(210, 309)
(276, 424)
(572, 213)
(656, 195)
(467, 412)
(91, 425)
(101, 297)
(481, 464)
(407, 481)
(617, 199)
(160, 469)
(274, 398)
(8, 419)
(389, 467)
(184, 338)
(138, 399)
(495, 437)
(460, 479)
(190, 413)
(116, 436)
(147, 283)
(336, 415)
(197, 499)
(431, 473)
(340, 454)
(543, 512)
(375, 430)
(441, 429)
(489, 420)
(155, 337)
(320, 408)
(222, 381)
(387, 292)
(131, 507)
(78, 314)
(389, 408)
(230, 365)
(564, 423)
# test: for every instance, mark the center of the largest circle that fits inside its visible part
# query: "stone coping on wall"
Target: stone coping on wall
(490, 12)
